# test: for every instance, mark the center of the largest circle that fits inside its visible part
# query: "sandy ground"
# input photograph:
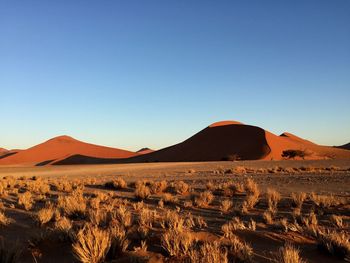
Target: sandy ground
(331, 182)
(265, 240)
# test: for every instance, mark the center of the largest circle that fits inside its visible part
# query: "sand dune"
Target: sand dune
(145, 151)
(60, 148)
(345, 146)
(3, 150)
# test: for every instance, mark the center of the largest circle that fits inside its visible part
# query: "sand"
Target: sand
(60, 148)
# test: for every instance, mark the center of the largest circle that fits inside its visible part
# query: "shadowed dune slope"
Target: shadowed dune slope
(60, 148)
(217, 142)
(345, 146)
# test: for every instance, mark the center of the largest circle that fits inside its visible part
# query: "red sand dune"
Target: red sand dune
(60, 148)
(3, 150)
(145, 151)
(227, 140)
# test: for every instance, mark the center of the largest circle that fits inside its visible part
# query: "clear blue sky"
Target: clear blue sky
(132, 74)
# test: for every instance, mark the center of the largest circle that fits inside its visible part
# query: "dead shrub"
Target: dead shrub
(273, 197)
(288, 254)
(45, 214)
(326, 201)
(210, 186)
(169, 198)
(268, 217)
(63, 227)
(4, 220)
(92, 244)
(239, 251)
(118, 183)
(158, 187)
(204, 199)
(298, 199)
(229, 228)
(336, 220)
(181, 187)
(226, 206)
(251, 187)
(119, 241)
(208, 252)
(335, 243)
(73, 205)
(142, 192)
(26, 200)
(177, 243)
(147, 217)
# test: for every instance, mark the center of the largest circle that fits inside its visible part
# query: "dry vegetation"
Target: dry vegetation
(216, 220)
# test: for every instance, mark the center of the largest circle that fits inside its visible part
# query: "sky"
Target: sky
(133, 74)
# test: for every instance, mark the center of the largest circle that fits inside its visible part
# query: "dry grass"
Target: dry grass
(181, 187)
(326, 201)
(239, 251)
(298, 199)
(92, 244)
(114, 226)
(204, 199)
(45, 214)
(335, 243)
(26, 200)
(168, 198)
(289, 254)
(268, 217)
(158, 187)
(273, 197)
(336, 220)
(208, 252)
(4, 220)
(177, 243)
(226, 206)
(73, 205)
(142, 192)
(118, 183)
(229, 228)
(119, 241)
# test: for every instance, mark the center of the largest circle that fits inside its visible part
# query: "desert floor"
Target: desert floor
(218, 204)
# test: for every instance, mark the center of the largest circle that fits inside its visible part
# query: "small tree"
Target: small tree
(293, 153)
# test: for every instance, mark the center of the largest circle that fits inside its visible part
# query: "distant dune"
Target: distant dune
(345, 146)
(226, 140)
(60, 148)
(3, 151)
(145, 151)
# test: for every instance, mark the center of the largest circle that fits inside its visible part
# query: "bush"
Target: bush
(118, 183)
(92, 245)
(142, 191)
(288, 254)
(293, 153)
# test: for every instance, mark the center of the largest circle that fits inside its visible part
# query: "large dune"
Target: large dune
(60, 148)
(226, 140)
